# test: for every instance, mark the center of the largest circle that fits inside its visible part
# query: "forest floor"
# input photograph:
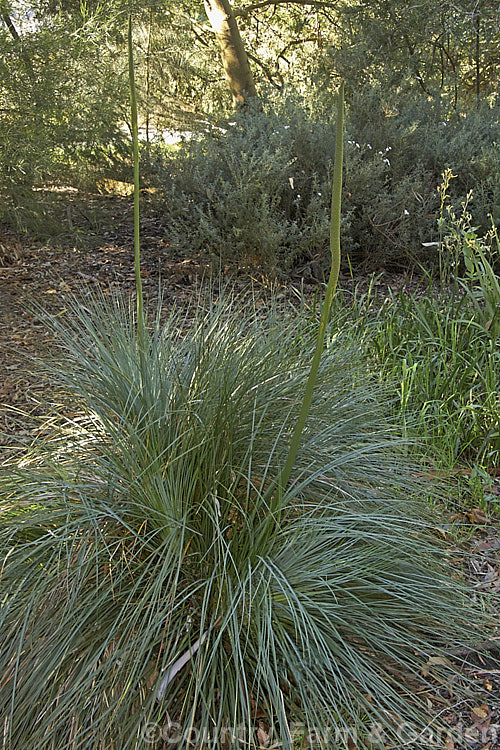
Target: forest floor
(36, 276)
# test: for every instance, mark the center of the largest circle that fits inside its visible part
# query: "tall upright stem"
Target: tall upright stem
(330, 290)
(135, 148)
(148, 72)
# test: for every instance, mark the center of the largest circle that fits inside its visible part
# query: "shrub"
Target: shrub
(252, 193)
(58, 123)
(153, 575)
(257, 191)
(420, 139)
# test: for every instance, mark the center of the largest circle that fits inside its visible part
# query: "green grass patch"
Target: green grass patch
(443, 365)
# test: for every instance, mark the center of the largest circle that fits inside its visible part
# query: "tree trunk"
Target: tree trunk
(15, 35)
(234, 57)
(8, 22)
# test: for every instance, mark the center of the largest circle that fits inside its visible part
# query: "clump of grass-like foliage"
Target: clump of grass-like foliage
(155, 570)
(443, 360)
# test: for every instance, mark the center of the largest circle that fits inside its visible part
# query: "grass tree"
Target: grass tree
(148, 578)
(162, 584)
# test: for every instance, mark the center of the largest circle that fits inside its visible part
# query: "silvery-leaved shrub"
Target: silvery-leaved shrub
(255, 191)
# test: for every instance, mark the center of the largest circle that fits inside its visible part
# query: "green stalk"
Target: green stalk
(330, 290)
(135, 148)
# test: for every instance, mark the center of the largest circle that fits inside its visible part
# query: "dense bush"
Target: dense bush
(257, 191)
(421, 139)
(58, 123)
(155, 575)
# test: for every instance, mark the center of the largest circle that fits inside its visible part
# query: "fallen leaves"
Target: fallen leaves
(478, 517)
(481, 717)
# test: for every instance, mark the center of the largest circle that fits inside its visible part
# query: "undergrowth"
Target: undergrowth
(444, 366)
(255, 191)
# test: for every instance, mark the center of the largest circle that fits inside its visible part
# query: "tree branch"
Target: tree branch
(294, 43)
(268, 73)
(267, 3)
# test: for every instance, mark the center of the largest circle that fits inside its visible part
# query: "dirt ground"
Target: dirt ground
(35, 275)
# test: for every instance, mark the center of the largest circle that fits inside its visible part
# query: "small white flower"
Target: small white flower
(369, 145)
(406, 212)
(320, 194)
(387, 162)
(286, 127)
